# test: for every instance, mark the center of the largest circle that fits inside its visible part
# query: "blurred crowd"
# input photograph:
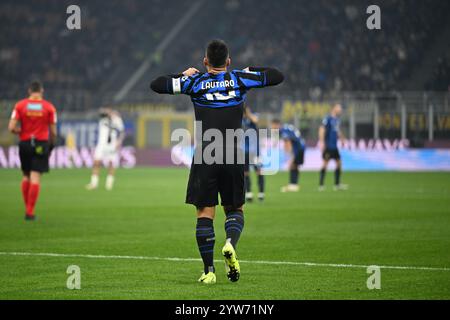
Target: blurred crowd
(35, 42)
(322, 45)
(441, 75)
(325, 45)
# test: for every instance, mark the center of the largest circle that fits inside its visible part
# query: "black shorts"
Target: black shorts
(299, 157)
(206, 182)
(331, 154)
(34, 156)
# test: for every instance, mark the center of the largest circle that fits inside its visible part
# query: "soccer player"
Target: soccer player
(329, 133)
(218, 97)
(251, 147)
(296, 146)
(111, 133)
(37, 134)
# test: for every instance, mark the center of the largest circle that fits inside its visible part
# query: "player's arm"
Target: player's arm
(171, 84)
(52, 126)
(53, 134)
(12, 126)
(287, 144)
(15, 119)
(121, 137)
(322, 136)
(262, 76)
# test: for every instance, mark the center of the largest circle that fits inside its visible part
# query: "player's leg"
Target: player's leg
(247, 178)
(206, 240)
(231, 189)
(202, 192)
(248, 188)
(33, 194)
(110, 177)
(293, 174)
(323, 171)
(26, 155)
(25, 186)
(234, 224)
(93, 184)
(337, 175)
(261, 182)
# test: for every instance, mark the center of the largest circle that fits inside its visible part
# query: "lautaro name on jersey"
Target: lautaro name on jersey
(218, 98)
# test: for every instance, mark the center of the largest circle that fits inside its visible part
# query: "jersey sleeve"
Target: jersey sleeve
(173, 84)
(251, 79)
(284, 134)
(325, 122)
(182, 84)
(258, 77)
(120, 125)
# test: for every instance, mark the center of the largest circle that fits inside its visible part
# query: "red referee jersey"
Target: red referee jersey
(35, 116)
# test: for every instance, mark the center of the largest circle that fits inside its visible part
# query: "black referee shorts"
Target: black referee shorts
(34, 156)
(331, 154)
(206, 182)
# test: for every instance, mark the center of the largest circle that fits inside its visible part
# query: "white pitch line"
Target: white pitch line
(285, 263)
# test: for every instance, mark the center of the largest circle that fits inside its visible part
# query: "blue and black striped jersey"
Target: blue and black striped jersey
(221, 90)
(289, 132)
(331, 125)
(218, 98)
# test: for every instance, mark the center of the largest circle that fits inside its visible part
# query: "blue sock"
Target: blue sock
(293, 176)
(234, 224)
(261, 183)
(337, 176)
(206, 240)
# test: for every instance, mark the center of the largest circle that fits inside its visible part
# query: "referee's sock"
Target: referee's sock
(33, 195)
(337, 176)
(25, 189)
(205, 241)
(234, 224)
(322, 176)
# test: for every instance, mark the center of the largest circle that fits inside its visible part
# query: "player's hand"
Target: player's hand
(190, 72)
(321, 146)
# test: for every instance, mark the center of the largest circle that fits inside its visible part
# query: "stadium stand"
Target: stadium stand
(116, 37)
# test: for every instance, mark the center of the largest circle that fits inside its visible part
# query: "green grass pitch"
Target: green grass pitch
(394, 219)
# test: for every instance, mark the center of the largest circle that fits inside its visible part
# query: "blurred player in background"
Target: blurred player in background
(111, 133)
(37, 134)
(296, 146)
(218, 97)
(252, 154)
(329, 134)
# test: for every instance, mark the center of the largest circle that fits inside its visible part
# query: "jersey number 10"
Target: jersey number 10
(219, 96)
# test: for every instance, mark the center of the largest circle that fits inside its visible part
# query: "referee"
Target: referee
(37, 134)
